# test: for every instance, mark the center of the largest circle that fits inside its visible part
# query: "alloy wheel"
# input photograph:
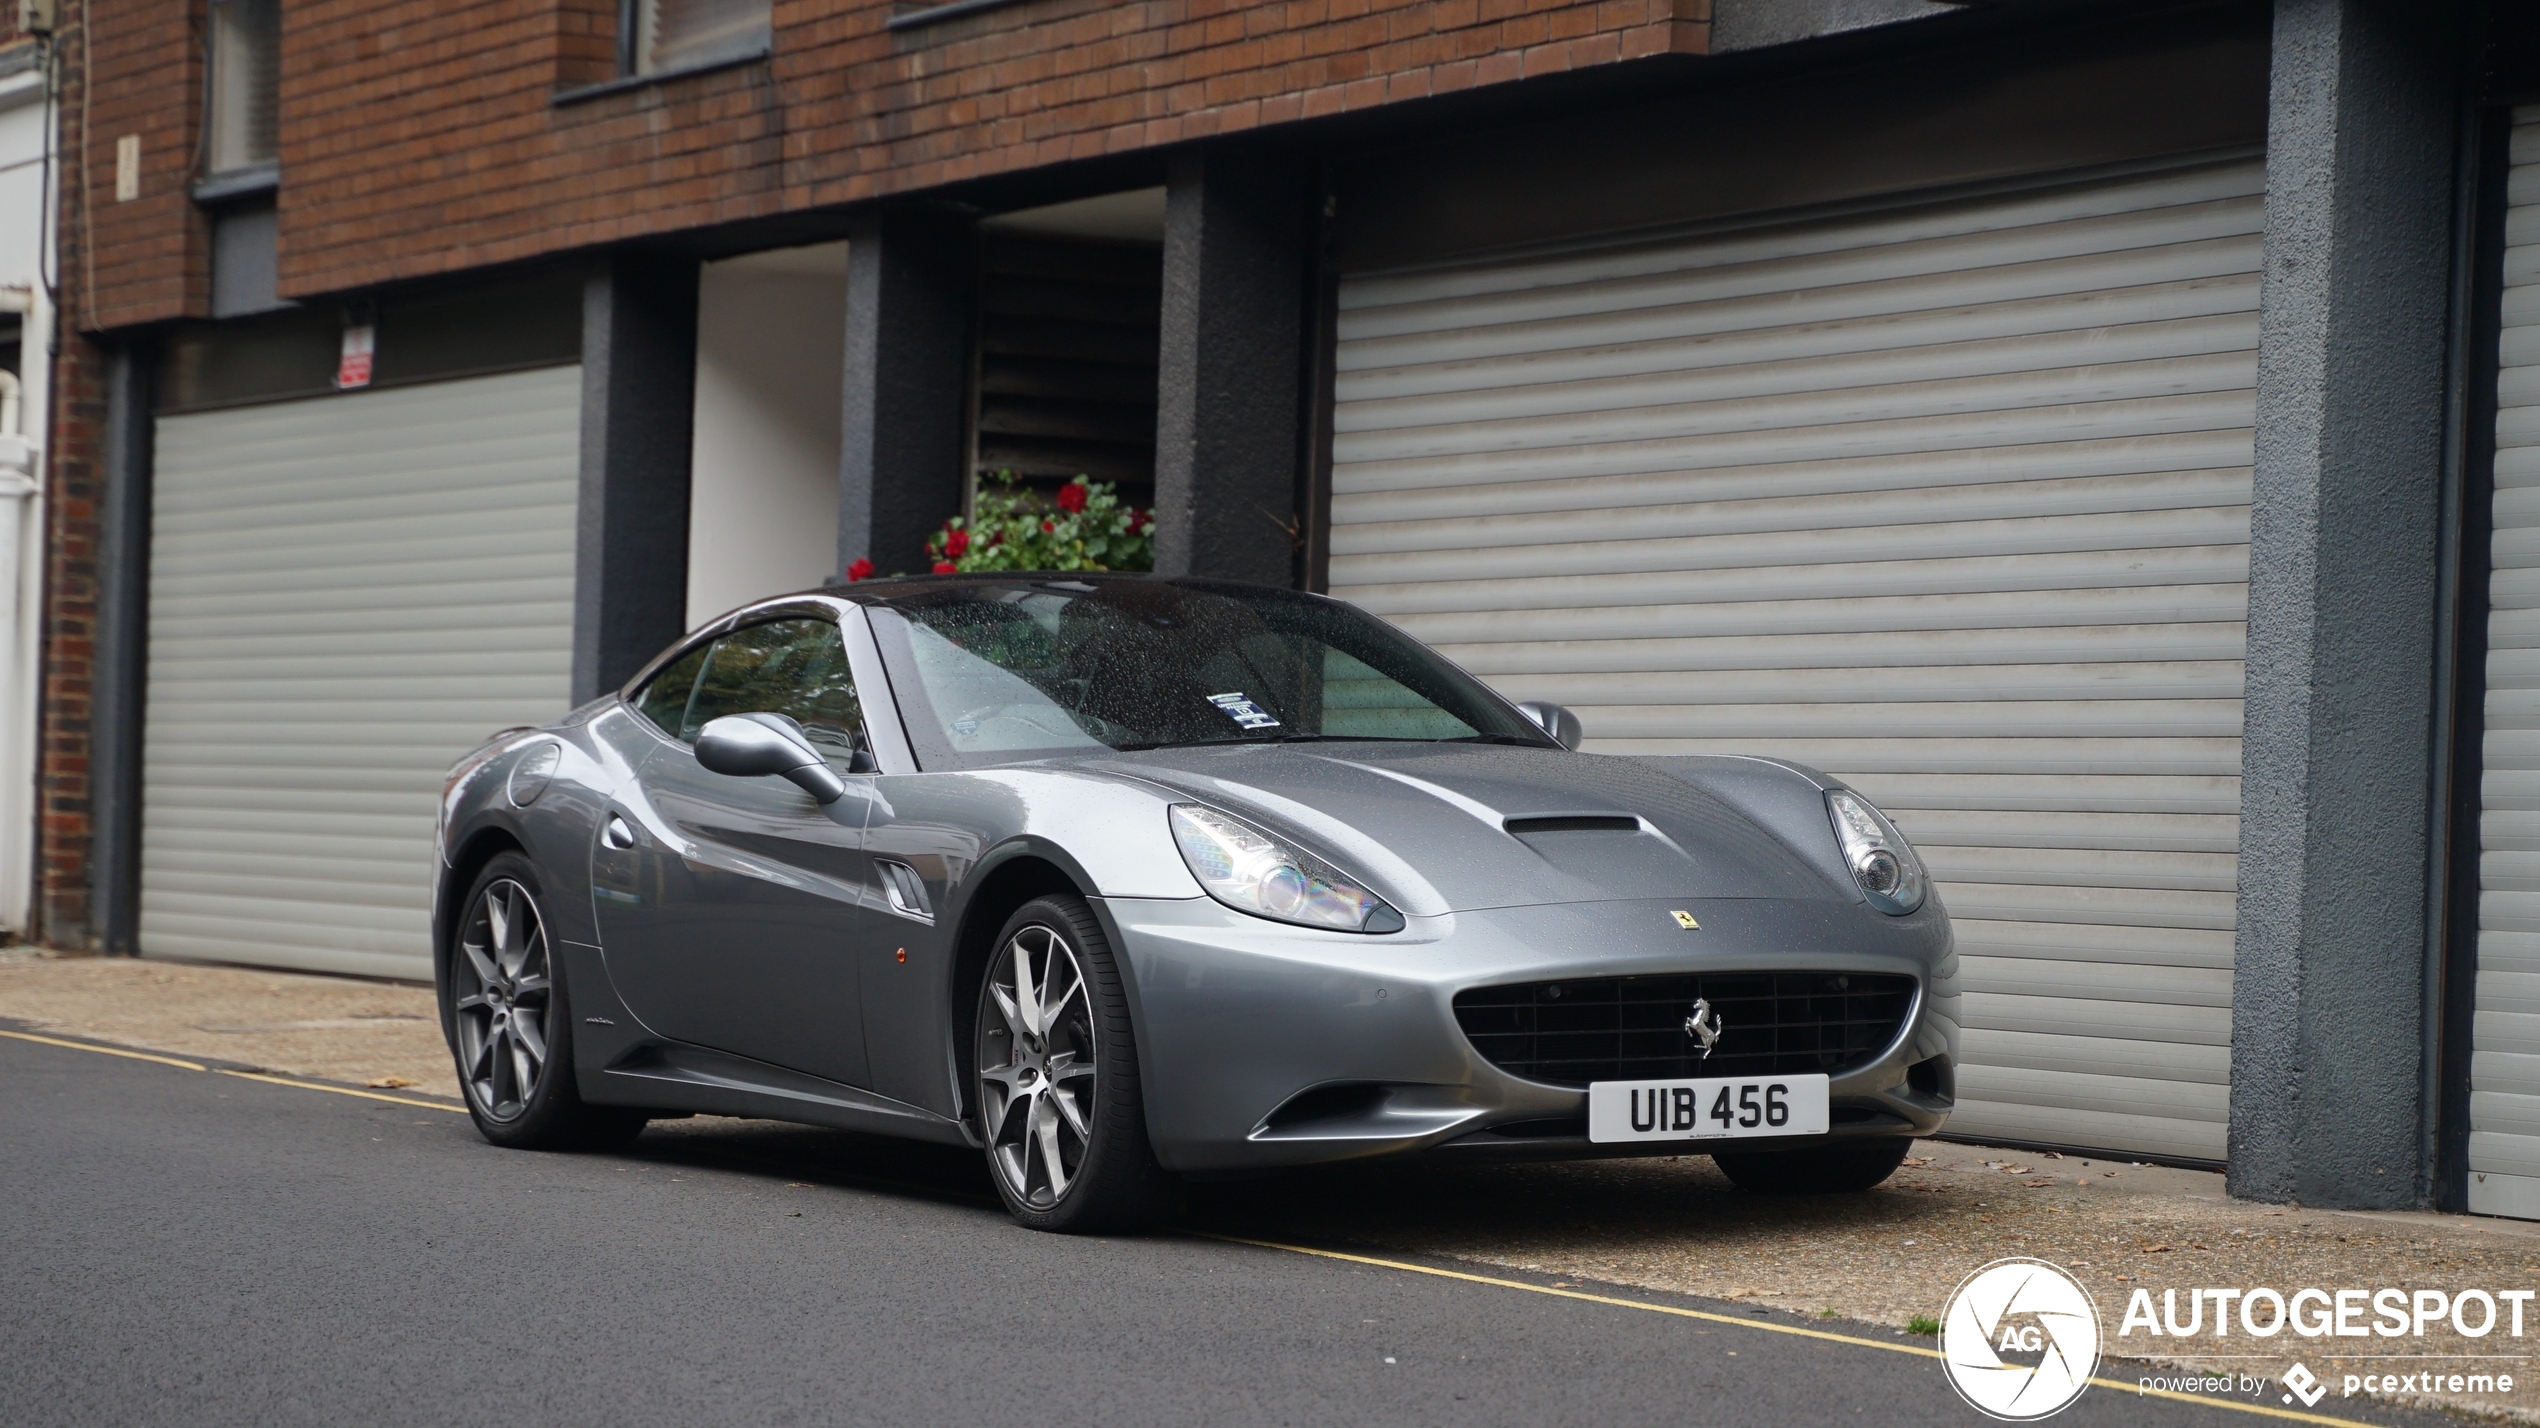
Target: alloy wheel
(503, 989)
(1037, 1069)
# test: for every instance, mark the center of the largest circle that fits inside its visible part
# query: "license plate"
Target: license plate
(1706, 1108)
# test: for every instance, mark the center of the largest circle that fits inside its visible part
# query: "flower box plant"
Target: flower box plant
(1012, 527)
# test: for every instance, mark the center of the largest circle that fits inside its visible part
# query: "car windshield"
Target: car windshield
(991, 673)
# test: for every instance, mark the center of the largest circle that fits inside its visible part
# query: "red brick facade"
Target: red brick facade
(150, 258)
(75, 425)
(423, 136)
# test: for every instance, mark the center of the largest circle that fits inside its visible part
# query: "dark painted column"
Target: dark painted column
(905, 417)
(2328, 1024)
(119, 666)
(639, 386)
(1227, 462)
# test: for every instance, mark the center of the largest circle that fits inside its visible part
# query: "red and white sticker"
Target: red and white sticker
(353, 368)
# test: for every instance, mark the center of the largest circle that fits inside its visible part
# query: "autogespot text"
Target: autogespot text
(2331, 1314)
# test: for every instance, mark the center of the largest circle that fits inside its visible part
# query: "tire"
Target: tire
(508, 1018)
(1059, 1107)
(1845, 1167)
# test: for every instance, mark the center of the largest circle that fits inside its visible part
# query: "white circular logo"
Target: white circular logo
(2019, 1339)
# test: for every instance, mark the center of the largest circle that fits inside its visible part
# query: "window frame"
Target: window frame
(219, 59)
(630, 49)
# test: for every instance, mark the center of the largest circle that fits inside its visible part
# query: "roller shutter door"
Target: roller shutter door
(2504, 1100)
(1950, 500)
(346, 593)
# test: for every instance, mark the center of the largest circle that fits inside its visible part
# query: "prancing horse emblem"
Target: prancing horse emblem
(1704, 1025)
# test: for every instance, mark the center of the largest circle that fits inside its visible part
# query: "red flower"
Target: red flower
(1049, 526)
(1071, 497)
(946, 567)
(861, 570)
(956, 543)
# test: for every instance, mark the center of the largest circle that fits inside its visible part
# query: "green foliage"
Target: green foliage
(1922, 1324)
(1015, 528)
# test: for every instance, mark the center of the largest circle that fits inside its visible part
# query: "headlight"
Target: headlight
(1250, 871)
(1882, 862)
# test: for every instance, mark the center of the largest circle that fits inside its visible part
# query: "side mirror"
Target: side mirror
(756, 745)
(1560, 723)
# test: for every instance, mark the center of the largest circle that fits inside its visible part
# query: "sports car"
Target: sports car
(1125, 881)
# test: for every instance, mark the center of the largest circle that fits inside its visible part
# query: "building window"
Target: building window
(246, 72)
(664, 35)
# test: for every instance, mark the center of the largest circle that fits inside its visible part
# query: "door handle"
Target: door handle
(616, 834)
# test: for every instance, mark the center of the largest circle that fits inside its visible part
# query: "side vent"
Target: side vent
(1521, 827)
(906, 890)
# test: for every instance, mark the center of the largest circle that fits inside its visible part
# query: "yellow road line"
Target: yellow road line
(1743, 1323)
(264, 1076)
(104, 1050)
(272, 1080)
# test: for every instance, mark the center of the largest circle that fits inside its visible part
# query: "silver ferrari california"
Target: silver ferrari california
(1126, 880)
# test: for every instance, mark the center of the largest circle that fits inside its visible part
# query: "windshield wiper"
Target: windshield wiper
(1519, 740)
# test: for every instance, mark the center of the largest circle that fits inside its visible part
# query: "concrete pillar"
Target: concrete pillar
(2332, 959)
(119, 666)
(639, 383)
(1230, 365)
(904, 421)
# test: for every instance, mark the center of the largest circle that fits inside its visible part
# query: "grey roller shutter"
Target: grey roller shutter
(2504, 1100)
(1950, 500)
(346, 593)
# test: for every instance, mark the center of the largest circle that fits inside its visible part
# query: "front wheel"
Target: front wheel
(510, 1026)
(1840, 1168)
(1058, 1078)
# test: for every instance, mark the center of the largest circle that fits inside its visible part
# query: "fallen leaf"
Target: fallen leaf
(2014, 1170)
(2054, 1155)
(2155, 1249)
(2037, 1184)
(389, 1083)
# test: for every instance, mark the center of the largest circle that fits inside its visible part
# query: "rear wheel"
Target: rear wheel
(1841, 1167)
(1059, 1105)
(510, 1024)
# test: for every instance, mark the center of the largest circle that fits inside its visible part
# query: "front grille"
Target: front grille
(1633, 1028)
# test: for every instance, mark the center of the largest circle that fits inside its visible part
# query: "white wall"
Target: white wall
(24, 217)
(771, 352)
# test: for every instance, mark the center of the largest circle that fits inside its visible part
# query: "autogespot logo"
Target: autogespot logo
(2019, 1339)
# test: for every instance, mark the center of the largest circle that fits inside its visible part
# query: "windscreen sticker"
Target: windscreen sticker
(1239, 707)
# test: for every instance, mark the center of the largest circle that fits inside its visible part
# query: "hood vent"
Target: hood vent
(1524, 827)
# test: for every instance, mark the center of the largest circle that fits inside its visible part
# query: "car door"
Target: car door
(727, 905)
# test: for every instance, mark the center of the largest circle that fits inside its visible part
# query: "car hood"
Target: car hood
(1461, 827)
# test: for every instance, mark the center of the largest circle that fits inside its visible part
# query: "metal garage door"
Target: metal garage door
(1951, 500)
(346, 593)
(2504, 1101)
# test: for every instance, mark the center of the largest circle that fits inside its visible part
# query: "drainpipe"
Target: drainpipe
(21, 492)
(17, 486)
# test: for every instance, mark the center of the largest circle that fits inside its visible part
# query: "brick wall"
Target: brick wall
(148, 258)
(75, 424)
(422, 136)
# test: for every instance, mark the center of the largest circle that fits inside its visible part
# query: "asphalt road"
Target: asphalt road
(188, 1248)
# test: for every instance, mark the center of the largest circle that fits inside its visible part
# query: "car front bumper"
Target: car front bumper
(1263, 1045)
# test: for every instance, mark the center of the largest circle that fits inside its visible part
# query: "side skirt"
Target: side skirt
(672, 1076)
